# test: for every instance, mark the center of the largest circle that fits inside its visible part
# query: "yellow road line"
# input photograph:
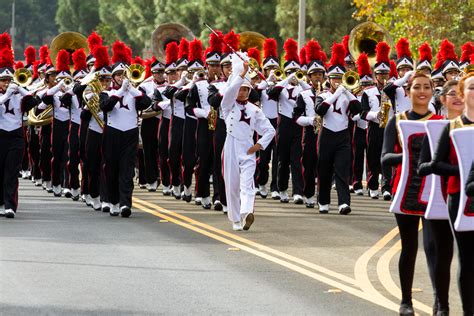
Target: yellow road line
(248, 242)
(316, 276)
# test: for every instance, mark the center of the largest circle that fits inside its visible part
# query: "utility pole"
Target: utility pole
(13, 30)
(302, 24)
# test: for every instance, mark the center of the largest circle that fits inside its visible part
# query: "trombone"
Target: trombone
(23, 77)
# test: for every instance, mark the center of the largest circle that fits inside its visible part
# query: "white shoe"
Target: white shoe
(237, 226)
(75, 194)
(115, 210)
(57, 190)
(187, 191)
(23, 174)
(167, 190)
(125, 211)
(211, 179)
(67, 193)
(262, 189)
(275, 195)
(298, 199)
(206, 203)
(48, 186)
(374, 194)
(284, 197)
(323, 208)
(96, 205)
(37, 182)
(105, 207)
(359, 192)
(310, 202)
(9, 213)
(151, 187)
(387, 196)
(224, 209)
(344, 209)
(88, 200)
(217, 205)
(176, 192)
(2, 210)
(198, 200)
(28, 173)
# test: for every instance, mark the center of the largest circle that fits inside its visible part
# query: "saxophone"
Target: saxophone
(384, 109)
(94, 87)
(317, 122)
(212, 119)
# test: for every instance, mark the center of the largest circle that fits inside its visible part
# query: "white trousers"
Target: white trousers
(238, 170)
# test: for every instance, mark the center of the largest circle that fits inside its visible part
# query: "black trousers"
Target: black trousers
(45, 152)
(334, 158)
(11, 153)
(84, 130)
(74, 156)
(205, 152)
(149, 133)
(374, 152)
(176, 149)
(289, 155)
(310, 161)
(59, 149)
(120, 155)
(189, 150)
(220, 135)
(270, 153)
(25, 164)
(163, 151)
(34, 151)
(96, 177)
(465, 243)
(141, 167)
(359, 148)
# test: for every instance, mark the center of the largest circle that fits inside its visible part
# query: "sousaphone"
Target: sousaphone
(167, 33)
(365, 37)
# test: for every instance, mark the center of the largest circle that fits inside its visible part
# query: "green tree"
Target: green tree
(77, 15)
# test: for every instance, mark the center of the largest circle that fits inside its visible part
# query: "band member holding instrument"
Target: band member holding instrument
(14, 102)
(445, 163)
(121, 106)
(305, 116)
(420, 90)
(335, 106)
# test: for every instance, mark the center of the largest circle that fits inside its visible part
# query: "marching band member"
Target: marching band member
(121, 106)
(239, 160)
(450, 67)
(372, 111)
(335, 106)
(445, 164)
(14, 102)
(420, 90)
(305, 116)
(270, 109)
(289, 136)
(466, 52)
(349, 62)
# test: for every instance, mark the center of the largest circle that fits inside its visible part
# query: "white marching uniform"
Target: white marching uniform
(242, 120)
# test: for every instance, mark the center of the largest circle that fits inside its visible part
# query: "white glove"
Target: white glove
(184, 74)
(401, 81)
(272, 76)
(243, 56)
(340, 90)
(125, 85)
(12, 88)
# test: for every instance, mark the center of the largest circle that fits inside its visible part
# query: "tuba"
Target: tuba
(167, 33)
(250, 39)
(44, 118)
(91, 98)
(70, 41)
(365, 37)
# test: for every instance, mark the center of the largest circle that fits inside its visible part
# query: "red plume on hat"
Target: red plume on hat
(94, 40)
(195, 50)
(102, 59)
(232, 40)
(270, 48)
(138, 60)
(447, 50)
(382, 50)
(291, 50)
(313, 51)
(148, 63)
(30, 55)
(183, 48)
(5, 40)
(439, 59)
(363, 66)
(403, 48)
(324, 58)
(303, 59)
(79, 59)
(254, 53)
(44, 54)
(19, 64)
(121, 53)
(393, 70)
(345, 43)
(472, 59)
(35, 69)
(62, 60)
(6, 57)
(466, 51)
(215, 42)
(425, 52)
(171, 53)
(337, 55)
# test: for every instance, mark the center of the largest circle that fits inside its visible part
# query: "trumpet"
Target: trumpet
(351, 81)
(135, 73)
(279, 74)
(299, 75)
(23, 77)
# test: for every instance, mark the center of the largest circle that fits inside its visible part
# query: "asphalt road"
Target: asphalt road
(60, 257)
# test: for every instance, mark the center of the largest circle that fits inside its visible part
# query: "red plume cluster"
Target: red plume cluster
(62, 60)
(171, 53)
(303, 59)
(291, 50)
(79, 59)
(30, 55)
(270, 48)
(382, 50)
(363, 66)
(19, 64)
(183, 48)
(439, 59)
(466, 51)
(337, 54)
(94, 40)
(393, 70)
(215, 42)
(101, 54)
(5, 41)
(6, 57)
(44, 54)
(447, 50)
(313, 51)
(121, 53)
(232, 40)
(403, 48)
(345, 43)
(195, 50)
(425, 52)
(138, 60)
(324, 57)
(35, 69)
(254, 53)
(148, 63)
